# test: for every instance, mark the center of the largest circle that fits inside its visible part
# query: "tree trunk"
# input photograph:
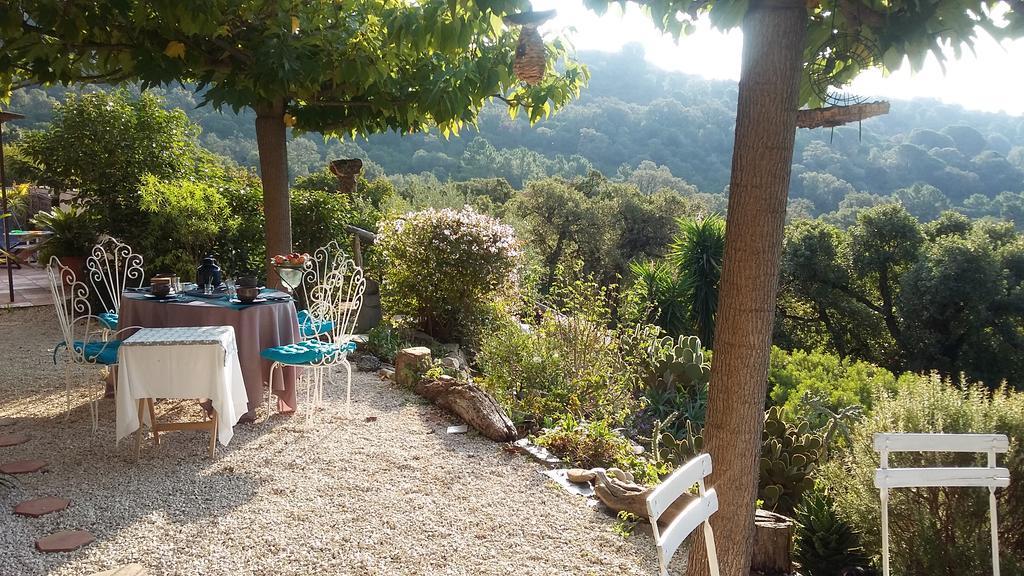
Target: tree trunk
(773, 32)
(271, 140)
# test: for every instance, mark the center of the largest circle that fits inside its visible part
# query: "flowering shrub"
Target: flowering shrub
(443, 267)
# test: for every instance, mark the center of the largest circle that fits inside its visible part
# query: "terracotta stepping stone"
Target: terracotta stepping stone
(64, 541)
(12, 439)
(22, 466)
(126, 570)
(39, 506)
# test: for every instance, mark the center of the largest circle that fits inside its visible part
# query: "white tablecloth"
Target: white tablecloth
(190, 362)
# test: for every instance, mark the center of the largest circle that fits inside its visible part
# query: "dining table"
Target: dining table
(269, 321)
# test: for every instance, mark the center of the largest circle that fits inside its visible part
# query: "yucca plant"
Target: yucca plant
(697, 253)
(663, 293)
(826, 545)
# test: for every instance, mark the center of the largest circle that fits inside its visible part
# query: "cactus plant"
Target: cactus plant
(825, 544)
(789, 455)
(676, 381)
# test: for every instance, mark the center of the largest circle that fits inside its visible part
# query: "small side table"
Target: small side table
(187, 362)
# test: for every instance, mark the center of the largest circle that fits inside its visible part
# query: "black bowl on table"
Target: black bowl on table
(247, 294)
(160, 290)
(248, 282)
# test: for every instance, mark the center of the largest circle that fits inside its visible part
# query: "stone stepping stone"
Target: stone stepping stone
(22, 466)
(126, 570)
(39, 506)
(12, 440)
(64, 541)
(5, 421)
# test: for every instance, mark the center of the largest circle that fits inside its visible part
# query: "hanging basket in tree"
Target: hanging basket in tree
(531, 55)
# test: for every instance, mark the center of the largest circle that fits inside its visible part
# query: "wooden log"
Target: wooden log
(773, 544)
(832, 116)
(470, 403)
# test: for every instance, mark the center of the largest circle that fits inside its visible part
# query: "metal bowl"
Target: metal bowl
(248, 293)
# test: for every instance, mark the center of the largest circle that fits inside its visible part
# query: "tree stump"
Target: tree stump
(411, 364)
(470, 403)
(773, 544)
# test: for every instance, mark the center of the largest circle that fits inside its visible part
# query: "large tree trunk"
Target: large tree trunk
(272, 142)
(773, 33)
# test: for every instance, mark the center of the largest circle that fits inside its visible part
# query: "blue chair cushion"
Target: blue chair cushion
(98, 351)
(307, 352)
(310, 328)
(108, 320)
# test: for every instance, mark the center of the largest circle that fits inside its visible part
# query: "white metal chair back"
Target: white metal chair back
(323, 260)
(697, 512)
(111, 267)
(71, 302)
(990, 476)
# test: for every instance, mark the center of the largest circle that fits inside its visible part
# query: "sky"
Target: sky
(991, 79)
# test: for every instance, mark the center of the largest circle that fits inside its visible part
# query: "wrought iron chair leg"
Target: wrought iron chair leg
(270, 387)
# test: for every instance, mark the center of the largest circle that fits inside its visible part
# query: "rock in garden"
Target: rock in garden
(65, 541)
(579, 475)
(368, 363)
(411, 364)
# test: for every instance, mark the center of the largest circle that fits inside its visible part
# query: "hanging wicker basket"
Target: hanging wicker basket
(531, 56)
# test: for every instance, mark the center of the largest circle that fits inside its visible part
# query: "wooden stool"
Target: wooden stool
(158, 427)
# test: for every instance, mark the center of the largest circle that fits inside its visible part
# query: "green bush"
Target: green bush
(935, 531)
(595, 444)
(565, 363)
(441, 268)
(184, 220)
(796, 376)
(384, 342)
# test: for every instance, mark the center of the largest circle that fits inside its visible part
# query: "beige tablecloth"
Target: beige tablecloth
(192, 362)
(256, 327)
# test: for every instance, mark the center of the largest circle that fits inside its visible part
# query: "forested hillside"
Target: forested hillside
(678, 130)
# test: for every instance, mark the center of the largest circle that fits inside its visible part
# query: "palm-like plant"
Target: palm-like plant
(697, 252)
(663, 293)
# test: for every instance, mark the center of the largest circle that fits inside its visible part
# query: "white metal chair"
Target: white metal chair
(335, 301)
(111, 267)
(77, 323)
(990, 477)
(696, 513)
(324, 260)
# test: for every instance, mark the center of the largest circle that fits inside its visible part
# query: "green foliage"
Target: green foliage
(75, 230)
(789, 458)
(442, 268)
(406, 67)
(184, 221)
(591, 444)
(824, 543)
(658, 295)
(104, 144)
(385, 342)
(943, 296)
(697, 253)
(675, 378)
(935, 531)
(565, 363)
(795, 376)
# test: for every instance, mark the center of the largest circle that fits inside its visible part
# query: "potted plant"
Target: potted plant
(74, 234)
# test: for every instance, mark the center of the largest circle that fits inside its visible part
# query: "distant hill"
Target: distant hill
(633, 112)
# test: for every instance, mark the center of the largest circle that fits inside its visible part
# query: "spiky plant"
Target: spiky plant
(697, 253)
(825, 544)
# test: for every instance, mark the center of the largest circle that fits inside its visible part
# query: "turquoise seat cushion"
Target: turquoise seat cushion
(98, 351)
(310, 328)
(108, 320)
(307, 352)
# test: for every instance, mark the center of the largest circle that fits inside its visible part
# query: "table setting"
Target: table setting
(261, 318)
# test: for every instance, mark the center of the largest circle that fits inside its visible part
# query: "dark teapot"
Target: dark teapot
(208, 272)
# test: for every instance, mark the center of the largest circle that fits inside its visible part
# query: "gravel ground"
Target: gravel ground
(395, 495)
